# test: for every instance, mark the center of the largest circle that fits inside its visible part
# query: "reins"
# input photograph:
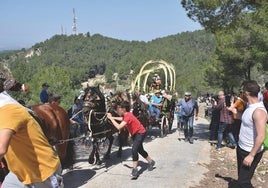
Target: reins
(76, 114)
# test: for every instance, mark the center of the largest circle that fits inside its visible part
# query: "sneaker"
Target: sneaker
(186, 139)
(232, 146)
(213, 141)
(191, 140)
(151, 165)
(134, 173)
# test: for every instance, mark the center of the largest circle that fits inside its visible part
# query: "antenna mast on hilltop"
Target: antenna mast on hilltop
(74, 23)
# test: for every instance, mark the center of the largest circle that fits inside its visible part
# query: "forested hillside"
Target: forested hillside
(65, 61)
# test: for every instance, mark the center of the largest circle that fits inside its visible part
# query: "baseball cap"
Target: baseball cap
(45, 85)
(187, 94)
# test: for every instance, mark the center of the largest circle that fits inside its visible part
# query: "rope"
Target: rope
(89, 123)
(102, 132)
(101, 119)
(89, 127)
(76, 114)
(99, 112)
(59, 142)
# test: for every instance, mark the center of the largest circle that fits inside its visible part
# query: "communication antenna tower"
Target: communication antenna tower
(62, 30)
(74, 23)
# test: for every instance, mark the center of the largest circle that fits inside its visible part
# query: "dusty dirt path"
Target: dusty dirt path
(178, 164)
(223, 171)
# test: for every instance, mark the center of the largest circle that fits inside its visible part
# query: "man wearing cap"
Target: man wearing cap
(189, 111)
(44, 94)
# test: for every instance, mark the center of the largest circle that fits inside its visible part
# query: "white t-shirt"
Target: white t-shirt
(5, 99)
(260, 96)
(144, 99)
(248, 131)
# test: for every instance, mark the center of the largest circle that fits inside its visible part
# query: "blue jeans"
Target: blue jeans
(221, 130)
(188, 126)
(155, 111)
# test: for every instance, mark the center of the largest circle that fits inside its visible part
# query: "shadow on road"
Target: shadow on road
(114, 160)
(201, 132)
(152, 134)
(143, 165)
(232, 183)
(77, 178)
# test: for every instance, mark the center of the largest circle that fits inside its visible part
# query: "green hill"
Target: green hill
(66, 61)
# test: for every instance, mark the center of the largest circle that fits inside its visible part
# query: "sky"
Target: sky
(24, 23)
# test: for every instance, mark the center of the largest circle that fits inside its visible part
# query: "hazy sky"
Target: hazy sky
(23, 23)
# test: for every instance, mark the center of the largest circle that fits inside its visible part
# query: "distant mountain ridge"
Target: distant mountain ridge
(77, 55)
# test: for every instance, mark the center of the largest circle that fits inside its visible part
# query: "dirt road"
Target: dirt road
(178, 164)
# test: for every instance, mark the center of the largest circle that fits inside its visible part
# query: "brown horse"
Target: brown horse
(55, 124)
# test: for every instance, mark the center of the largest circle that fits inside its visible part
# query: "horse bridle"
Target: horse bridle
(9, 82)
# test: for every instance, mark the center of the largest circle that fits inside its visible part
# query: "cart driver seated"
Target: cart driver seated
(155, 105)
(156, 83)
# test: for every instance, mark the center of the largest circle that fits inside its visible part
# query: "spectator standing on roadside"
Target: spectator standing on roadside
(265, 96)
(44, 93)
(215, 121)
(252, 134)
(226, 120)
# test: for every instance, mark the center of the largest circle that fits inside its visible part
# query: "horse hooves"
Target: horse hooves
(119, 154)
(91, 160)
(98, 162)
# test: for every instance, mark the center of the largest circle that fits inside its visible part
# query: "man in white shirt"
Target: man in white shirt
(252, 134)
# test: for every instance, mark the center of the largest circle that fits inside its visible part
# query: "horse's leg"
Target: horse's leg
(121, 142)
(97, 155)
(111, 140)
(92, 154)
(69, 158)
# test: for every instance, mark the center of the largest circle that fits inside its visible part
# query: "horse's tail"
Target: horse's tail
(70, 155)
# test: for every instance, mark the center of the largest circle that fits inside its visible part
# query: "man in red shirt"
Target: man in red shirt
(137, 132)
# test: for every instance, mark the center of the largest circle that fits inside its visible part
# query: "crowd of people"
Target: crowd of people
(240, 120)
(237, 120)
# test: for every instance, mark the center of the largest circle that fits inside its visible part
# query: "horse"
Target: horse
(94, 112)
(55, 124)
(140, 110)
(52, 120)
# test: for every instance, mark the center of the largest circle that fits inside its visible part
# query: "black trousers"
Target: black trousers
(246, 173)
(137, 147)
(236, 128)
